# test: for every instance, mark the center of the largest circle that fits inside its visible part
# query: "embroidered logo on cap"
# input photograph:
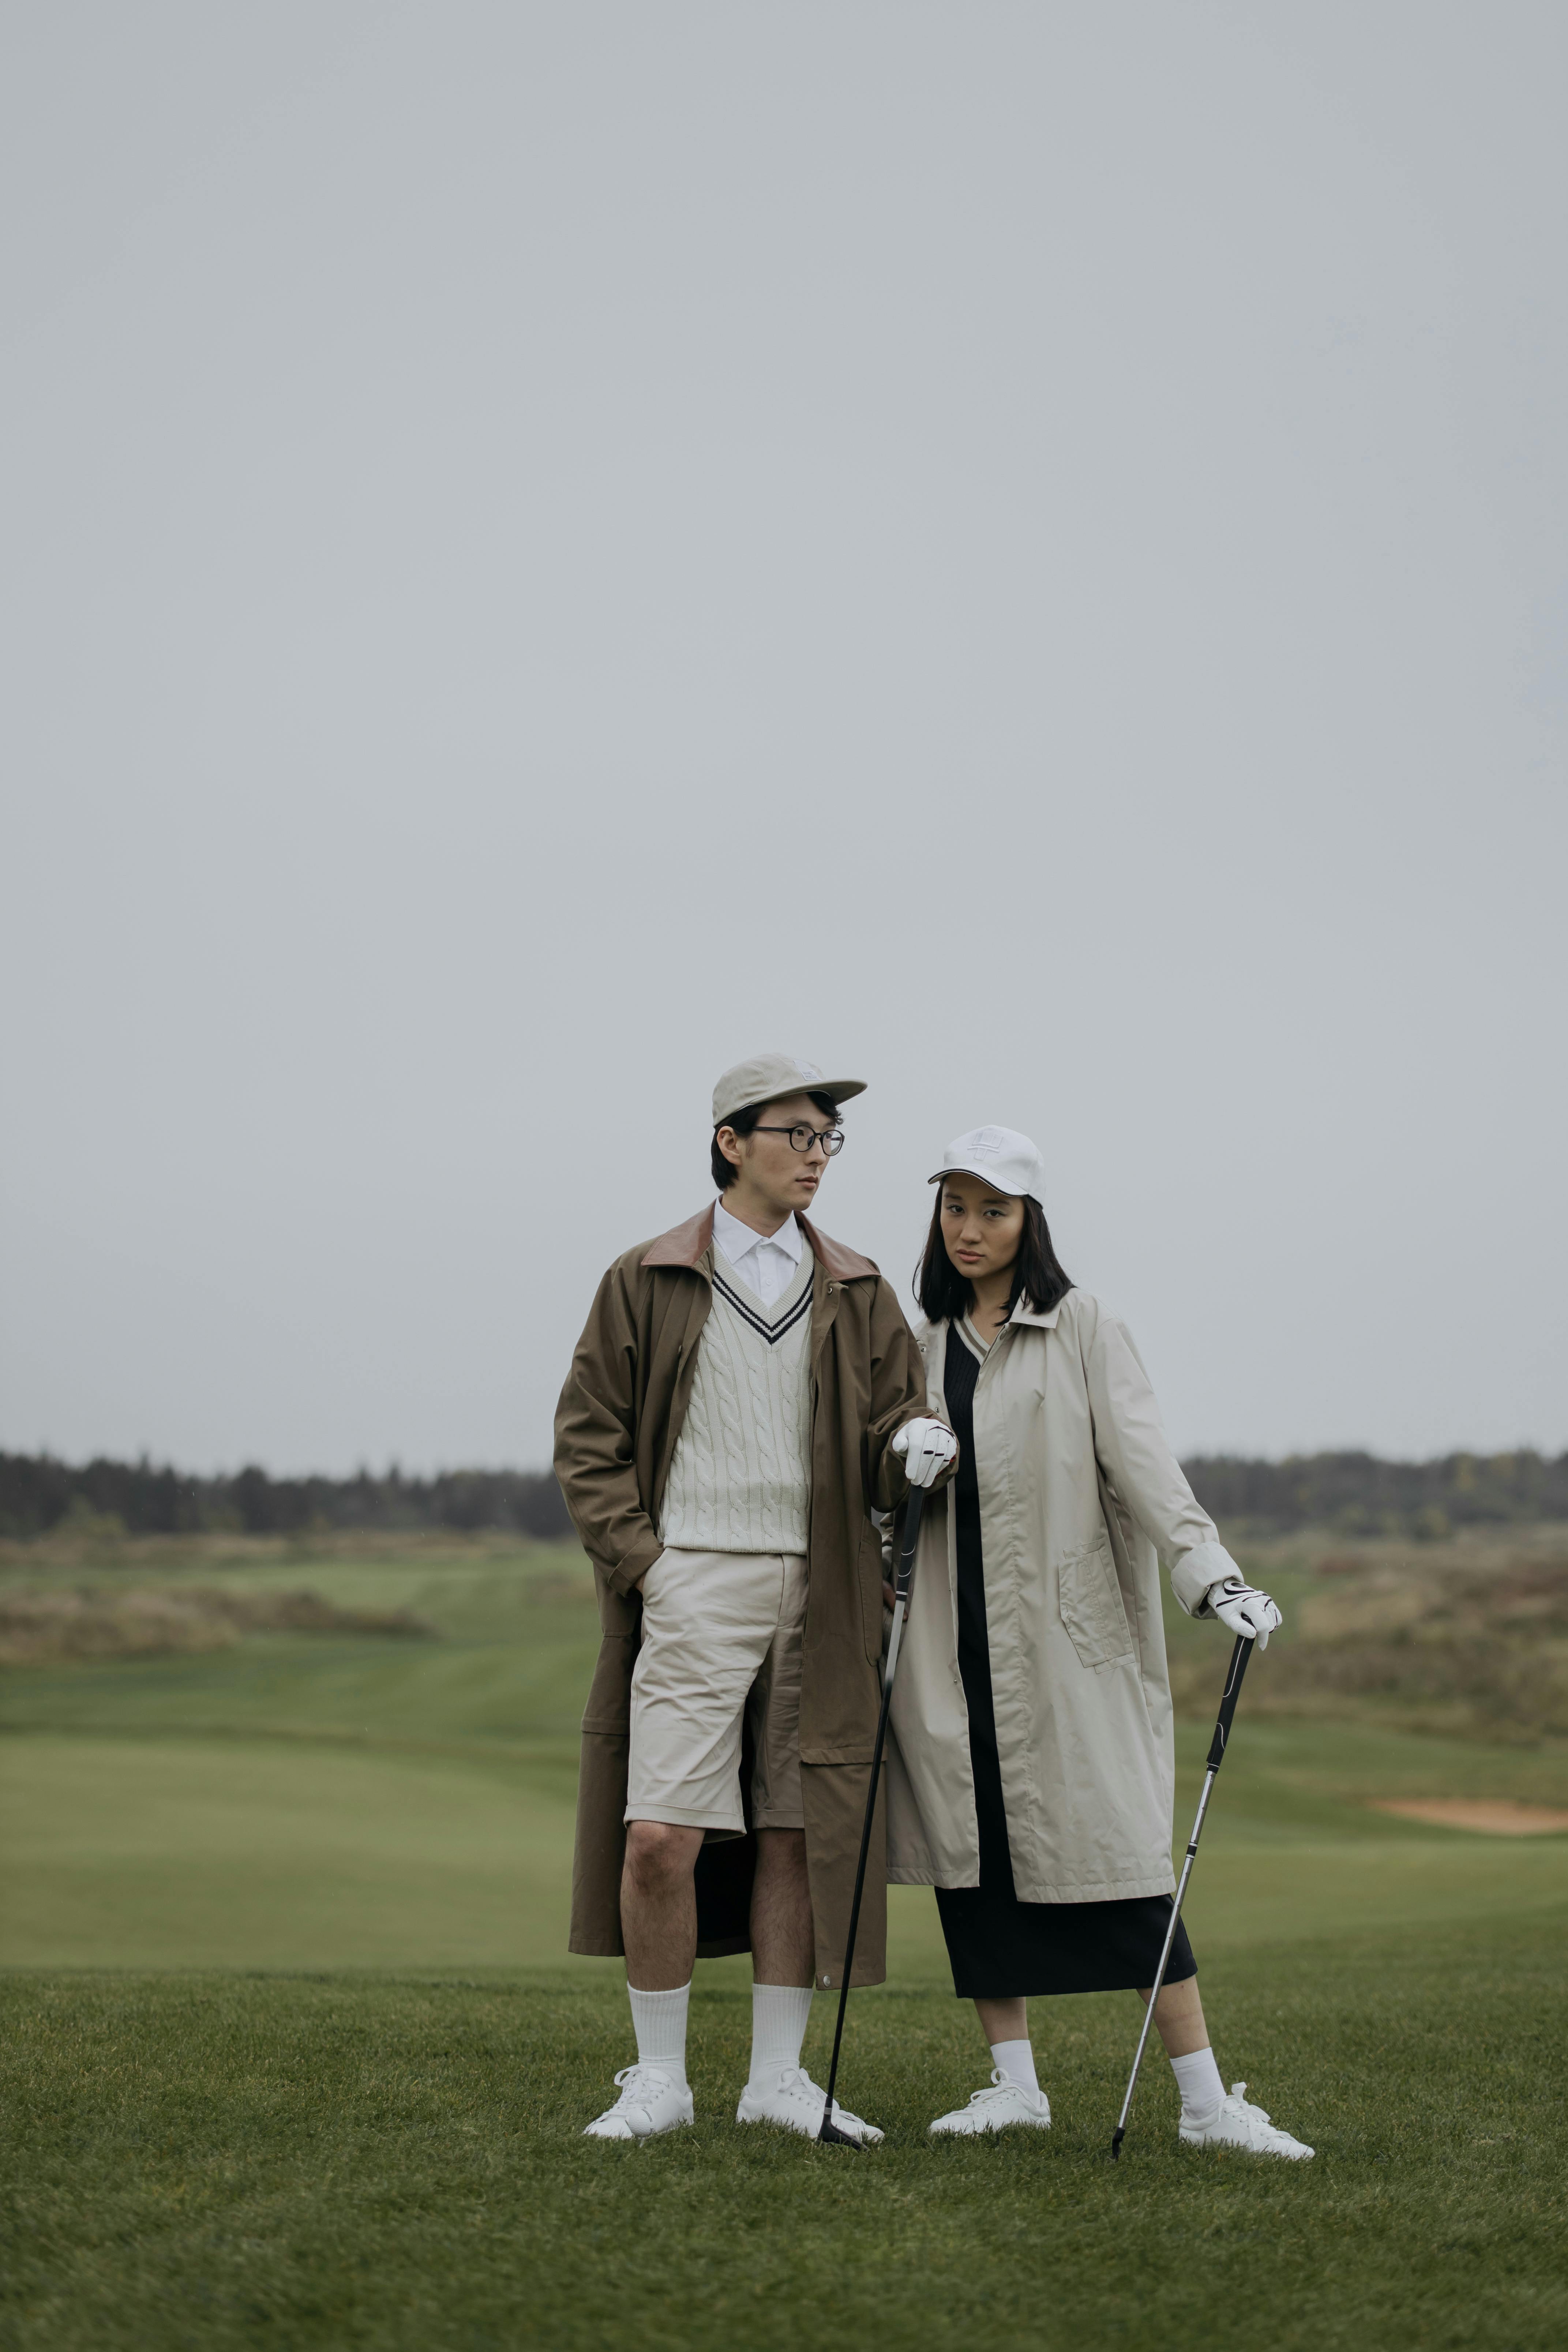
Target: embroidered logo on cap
(987, 1142)
(808, 1069)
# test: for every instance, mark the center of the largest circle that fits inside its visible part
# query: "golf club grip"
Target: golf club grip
(904, 1566)
(1238, 1658)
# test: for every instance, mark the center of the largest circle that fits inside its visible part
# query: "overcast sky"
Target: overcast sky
(1015, 551)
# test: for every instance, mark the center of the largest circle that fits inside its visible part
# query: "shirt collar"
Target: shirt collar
(736, 1239)
(1024, 1313)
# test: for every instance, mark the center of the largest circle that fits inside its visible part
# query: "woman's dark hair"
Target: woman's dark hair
(746, 1122)
(943, 1294)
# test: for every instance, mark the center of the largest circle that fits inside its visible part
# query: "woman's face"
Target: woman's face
(982, 1228)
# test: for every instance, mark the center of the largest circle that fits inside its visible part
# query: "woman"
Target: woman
(1034, 1775)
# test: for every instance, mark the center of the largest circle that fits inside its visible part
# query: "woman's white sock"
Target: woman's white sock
(779, 2015)
(659, 2021)
(1198, 2080)
(1014, 2061)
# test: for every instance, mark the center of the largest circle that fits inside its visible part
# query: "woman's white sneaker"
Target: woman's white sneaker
(797, 2101)
(651, 2101)
(1001, 2104)
(1236, 2122)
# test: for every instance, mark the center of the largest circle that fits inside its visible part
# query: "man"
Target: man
(745, 1392)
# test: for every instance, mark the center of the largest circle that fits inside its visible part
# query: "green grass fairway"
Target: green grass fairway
(302, 1801)
(292, 2055)
(148, 1852)
(394, 2163)
(165, 1852)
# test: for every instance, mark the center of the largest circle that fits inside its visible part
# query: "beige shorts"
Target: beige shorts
(721, 1636)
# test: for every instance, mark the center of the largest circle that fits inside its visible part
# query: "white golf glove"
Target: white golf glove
(1243, 1608)
(927, 1446)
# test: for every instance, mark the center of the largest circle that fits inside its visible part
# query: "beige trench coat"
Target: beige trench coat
(1080, 1500)
(620, 1414)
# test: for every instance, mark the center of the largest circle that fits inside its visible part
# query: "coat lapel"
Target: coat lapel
(686, 1245)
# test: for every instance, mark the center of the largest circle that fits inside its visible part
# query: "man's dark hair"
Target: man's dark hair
(746, 1122)
(943, 1294)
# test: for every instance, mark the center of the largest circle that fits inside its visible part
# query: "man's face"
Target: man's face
(776, 1176)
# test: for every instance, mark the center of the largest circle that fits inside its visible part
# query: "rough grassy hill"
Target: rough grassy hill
(1468, 1638)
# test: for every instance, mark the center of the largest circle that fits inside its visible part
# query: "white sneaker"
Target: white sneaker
(798, 2102)
(1235, 2123)
(651, 2101)
(1001, 2104)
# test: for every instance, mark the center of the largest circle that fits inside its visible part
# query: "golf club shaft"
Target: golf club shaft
(1238, 1658)
(903, 1578)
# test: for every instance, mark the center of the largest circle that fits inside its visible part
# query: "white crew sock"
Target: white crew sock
(659, 2021)
(779, 2014)
(1014, 2061)
(1198, 2080)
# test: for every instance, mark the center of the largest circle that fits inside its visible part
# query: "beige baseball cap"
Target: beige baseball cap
(766, 1077)
(1008, 1161)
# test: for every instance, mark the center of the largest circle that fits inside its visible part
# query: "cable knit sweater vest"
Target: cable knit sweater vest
(741, 1479)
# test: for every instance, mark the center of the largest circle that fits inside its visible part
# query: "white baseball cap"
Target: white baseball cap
(1000, 1157)
(768, 1077)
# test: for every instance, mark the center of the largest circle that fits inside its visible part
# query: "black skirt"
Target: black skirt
(999, 1949)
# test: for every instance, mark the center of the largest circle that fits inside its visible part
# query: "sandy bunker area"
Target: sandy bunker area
(1494, 1816)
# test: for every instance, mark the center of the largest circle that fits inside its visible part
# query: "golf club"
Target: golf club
(1238, 1658)
(903, 1579)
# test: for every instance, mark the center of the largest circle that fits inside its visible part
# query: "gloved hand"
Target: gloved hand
(1243, 1608)
(928, 1447)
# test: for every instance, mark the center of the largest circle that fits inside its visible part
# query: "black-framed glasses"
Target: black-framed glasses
(801, 1138)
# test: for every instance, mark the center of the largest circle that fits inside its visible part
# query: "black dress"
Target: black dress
(999, 1949)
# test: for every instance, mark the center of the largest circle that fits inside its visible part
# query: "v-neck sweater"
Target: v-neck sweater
(740, 1477)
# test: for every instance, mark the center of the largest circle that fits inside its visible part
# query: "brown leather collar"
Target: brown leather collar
(683, 1245)
(686, 1245)
(843, 1265)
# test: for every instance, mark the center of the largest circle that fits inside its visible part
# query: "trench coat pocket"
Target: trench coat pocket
(1091, 1608)
(609, 1705)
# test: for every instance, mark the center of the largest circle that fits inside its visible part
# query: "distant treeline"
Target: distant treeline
(1357, 1494)
(38, 1493)
(1353, 1493)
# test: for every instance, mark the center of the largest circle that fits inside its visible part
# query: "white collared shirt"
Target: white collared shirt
(767, 1263)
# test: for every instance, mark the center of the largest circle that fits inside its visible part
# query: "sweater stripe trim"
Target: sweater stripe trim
(771, 1332)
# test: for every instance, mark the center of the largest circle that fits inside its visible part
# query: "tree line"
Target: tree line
(38, 1494)
(1360, 1495)
(1352, 1493)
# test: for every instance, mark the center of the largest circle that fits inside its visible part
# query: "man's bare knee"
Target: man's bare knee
(660, 1854)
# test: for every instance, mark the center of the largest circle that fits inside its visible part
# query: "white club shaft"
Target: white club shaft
(1154, 1989)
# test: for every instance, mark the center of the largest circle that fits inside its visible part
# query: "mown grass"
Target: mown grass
(213, 2161)
(289, 2057)
(142, 1851)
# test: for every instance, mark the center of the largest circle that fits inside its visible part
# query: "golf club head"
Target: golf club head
(1117, 2137)
(833, 2136)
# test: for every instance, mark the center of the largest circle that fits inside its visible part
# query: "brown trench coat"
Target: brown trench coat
(620, 1414)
